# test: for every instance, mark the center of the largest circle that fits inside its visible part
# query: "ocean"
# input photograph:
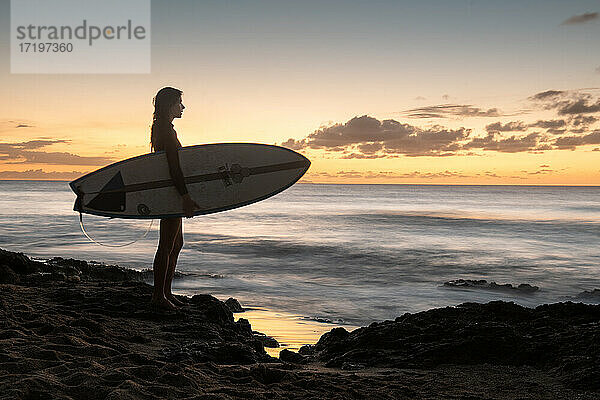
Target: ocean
(345, 254)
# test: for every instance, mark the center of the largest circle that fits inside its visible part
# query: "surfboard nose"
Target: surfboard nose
(306, 161)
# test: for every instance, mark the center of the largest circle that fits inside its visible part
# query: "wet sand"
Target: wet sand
(291, 331)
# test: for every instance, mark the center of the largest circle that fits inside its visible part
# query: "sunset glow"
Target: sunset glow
(389, 92)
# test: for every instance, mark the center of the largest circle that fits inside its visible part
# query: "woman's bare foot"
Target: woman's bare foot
(174, 300)
(163, 304)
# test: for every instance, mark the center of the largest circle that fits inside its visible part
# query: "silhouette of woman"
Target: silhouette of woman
(167, 106)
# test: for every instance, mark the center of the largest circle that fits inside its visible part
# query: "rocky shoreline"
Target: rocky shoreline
(74, 330)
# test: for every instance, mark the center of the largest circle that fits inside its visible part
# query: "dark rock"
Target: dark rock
(138, 339)
(352, 367)
(217, 352)
(526, 287)
(18, 262)
(73, 279)
(561, 337)
(58, 276)
(267, 341)
(291, 356)
(7, 275)
(267, 375)
(244, 326)
(307, 350)
(86, 271)
(234, 305)
(332, 341)
(589, 295)
(113, 273)
(523, 288)
(77, 265)
(212, 308)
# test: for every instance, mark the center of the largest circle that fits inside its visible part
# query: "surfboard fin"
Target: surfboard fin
(110, 197)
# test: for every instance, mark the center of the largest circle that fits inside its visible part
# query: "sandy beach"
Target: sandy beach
(72, 330)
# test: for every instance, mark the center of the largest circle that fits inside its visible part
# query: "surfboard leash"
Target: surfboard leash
(78, 208)
(111, 245)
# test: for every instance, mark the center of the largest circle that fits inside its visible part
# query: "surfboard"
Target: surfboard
(219, 177)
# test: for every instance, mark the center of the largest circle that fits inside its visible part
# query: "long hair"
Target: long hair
(163, 101)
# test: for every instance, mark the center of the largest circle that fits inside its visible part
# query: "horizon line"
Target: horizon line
(379, 184)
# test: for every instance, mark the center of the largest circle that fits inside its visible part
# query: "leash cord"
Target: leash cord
(111, 245)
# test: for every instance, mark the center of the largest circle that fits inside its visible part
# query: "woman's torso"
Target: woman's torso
(165, 132)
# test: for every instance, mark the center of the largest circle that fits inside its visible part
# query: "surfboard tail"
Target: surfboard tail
(109, 198)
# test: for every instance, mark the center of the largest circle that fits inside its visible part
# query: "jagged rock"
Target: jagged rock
(267, 341)
(307, 350)
(562, 337)
(351, 367)
(267, 375)
(244, 326)
(7, 275)
(524, 288)
(291, 356)
(19, 263)
(213, 309)
(234, 305)
(218, 352)
(332, 341)
(589, 295)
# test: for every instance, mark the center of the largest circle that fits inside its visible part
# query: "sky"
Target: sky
(431, 92)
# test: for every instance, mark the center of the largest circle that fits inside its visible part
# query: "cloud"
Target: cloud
(581, 19)
(550, 124)
(21, 153)
(580, 106)
(416, 174)
(547, 94)
(597, 70)
(370, 148)
(583, 120)
(393, 174)
(568, 102)
(40, 174)
(446, 110)
(361, 156)
(511, 144)
(544, 169)
(513, 126)
(571, 142)
(23, 126)
(293, 144)
(32, 144)
(367, 137)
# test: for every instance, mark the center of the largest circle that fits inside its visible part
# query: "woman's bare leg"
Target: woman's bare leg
(172, 265)
(169, 228)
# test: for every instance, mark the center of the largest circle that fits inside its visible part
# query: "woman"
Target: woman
(167, 106)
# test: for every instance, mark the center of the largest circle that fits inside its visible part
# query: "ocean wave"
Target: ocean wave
(469, 217)
(340, 254)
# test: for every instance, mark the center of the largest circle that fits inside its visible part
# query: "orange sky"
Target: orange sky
(469, 100)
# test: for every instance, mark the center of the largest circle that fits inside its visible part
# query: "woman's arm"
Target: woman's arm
(171, 149)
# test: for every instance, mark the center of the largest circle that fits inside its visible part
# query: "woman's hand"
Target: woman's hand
(189, 205)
